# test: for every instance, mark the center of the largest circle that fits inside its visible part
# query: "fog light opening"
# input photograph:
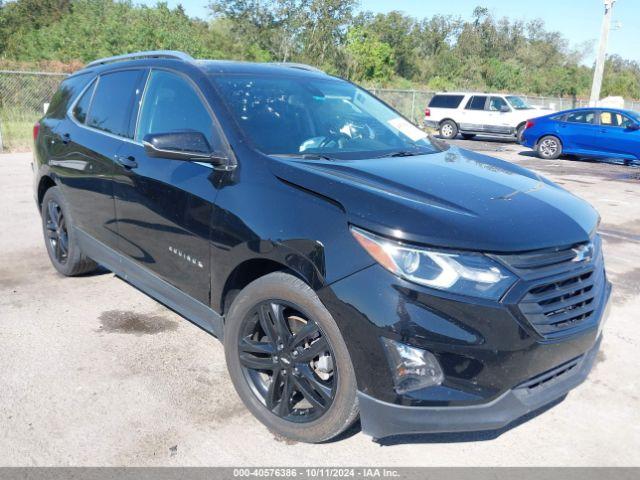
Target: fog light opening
(412, 368)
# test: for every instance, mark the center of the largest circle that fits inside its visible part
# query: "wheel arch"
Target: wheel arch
(553, 134)
(449, 119)
(45, 183)
(282, 259)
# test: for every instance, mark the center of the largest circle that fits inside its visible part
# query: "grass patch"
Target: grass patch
(17, 130)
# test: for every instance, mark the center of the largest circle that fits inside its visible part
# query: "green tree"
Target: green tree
(437, 52)
(370, 58)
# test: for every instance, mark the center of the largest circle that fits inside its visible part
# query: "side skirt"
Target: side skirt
(151, 284)
(487, 129)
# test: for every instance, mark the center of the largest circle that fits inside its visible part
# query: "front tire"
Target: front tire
(468, 136)
(448, 129)
(288, 360)
(519, 132)
(57, 225)
(549, 147)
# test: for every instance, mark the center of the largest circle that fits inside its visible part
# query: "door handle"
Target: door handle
(66, 138)
(127, 162)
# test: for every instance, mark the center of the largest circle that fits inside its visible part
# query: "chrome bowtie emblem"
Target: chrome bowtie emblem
(583, 253)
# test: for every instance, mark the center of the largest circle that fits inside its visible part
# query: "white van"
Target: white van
(472, 114)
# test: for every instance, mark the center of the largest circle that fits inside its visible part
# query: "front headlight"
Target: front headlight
(465, 273)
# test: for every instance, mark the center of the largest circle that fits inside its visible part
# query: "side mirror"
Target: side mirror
(184, 145)
(504, 109)
(633, 126)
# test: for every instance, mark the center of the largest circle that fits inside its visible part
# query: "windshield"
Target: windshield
(635, 115)
(310, 117)
(518, 103)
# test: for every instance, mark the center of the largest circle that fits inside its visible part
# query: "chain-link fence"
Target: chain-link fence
(23, 96)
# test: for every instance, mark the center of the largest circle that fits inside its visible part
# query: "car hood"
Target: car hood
(453, 199)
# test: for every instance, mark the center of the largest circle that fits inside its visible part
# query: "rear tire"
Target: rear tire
(549, 147)
(59, 236)
(468, 136)
(267, 341)
(448, 129)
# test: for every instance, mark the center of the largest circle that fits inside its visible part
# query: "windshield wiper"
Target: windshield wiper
(405, 153)
(305, 156)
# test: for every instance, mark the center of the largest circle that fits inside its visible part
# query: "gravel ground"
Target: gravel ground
(94, 372)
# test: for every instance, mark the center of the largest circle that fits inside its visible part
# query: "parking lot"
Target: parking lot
(93, 372)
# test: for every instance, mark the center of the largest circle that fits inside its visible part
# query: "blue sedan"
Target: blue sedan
(588, 132)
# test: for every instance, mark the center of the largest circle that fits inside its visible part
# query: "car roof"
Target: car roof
(476, 93)
(174, 58)
(598, 109)
(236, 67)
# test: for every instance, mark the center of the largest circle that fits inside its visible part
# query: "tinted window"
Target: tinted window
(67, 92)
(171, 104)
(496, 104)
(82, 106)
(446, 101)
(308, 115)
(583, 116)
(615, 119)
(111, 105)
(476, 103)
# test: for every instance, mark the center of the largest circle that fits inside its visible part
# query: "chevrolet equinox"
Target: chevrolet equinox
(352, 265)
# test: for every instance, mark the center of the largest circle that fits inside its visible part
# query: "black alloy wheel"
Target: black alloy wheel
(287, 361)
(56, 231)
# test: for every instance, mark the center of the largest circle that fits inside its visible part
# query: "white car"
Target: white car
(472, 114)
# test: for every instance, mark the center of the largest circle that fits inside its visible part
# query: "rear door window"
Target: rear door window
(477, 102)
(583, 116)
(111, 106)
(446, 101)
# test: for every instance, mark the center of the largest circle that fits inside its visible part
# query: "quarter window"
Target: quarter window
(446, 101)
(584, 116)
(68, 91)
(171, 104)
(111, 105)
(477, 102)
(82, 106)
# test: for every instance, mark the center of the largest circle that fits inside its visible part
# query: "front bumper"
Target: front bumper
(491, 353)
(381, 419)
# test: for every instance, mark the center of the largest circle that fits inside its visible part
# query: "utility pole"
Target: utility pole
(596, 86)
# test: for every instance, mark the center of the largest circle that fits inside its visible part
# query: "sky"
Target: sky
(578, 20)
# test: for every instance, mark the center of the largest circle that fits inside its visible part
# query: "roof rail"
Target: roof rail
(185, 57)
(300, 66)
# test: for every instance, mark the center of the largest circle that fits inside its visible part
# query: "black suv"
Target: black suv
(352, 265)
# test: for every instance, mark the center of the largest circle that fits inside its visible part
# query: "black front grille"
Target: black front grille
(554, 375)
(563, 303)
(562, 293)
